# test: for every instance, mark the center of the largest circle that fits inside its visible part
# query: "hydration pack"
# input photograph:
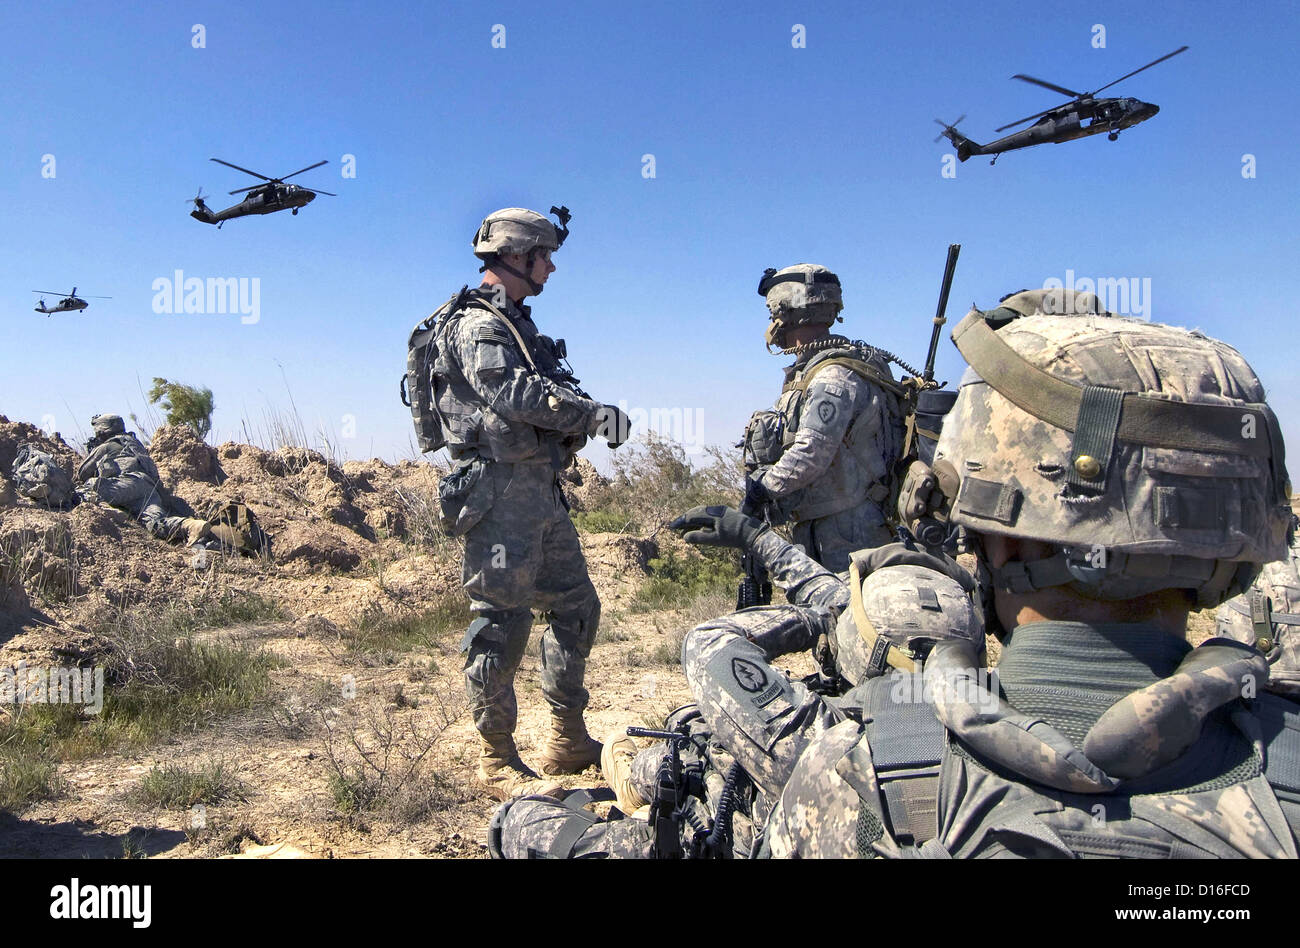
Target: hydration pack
(417, 383)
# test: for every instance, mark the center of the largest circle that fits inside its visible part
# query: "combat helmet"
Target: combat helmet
(518, 230)
(105, 426)
(1144, 453)
(802, 295)
(896, 615)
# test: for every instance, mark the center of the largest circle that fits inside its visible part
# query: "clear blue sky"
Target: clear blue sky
(765, 155)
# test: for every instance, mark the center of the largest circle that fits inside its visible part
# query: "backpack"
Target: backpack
(416, 387)
(237, 528)
(37, 476)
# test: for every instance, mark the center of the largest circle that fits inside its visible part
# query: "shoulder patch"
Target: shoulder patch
(493, 334)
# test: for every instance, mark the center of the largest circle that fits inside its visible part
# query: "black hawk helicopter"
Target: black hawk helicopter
(70, 303)
(266, 198)
(1062, 123)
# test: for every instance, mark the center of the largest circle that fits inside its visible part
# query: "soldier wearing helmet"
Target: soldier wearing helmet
(1111, 475)
(513, 417)
(823, 458)
(897, 605)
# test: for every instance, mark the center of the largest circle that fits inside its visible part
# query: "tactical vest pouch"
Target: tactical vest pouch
(931, 407)
(37, 476)
(763, 439)
(464, 497)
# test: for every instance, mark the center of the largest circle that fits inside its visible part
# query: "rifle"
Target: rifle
(674, 785)
(755, 585)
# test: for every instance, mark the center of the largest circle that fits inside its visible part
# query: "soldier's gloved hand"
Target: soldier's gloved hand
(757, 497)
(718, 526)
(612, 424)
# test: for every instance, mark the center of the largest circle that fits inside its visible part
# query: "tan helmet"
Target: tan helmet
(517, 230)
(105, 426)
(802, 295)
(1145, 453)
(901, 612)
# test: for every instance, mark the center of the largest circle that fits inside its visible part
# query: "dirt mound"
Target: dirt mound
(180, 454)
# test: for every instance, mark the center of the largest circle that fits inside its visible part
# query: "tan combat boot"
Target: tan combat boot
(616, 766)
(569, 749)
(504, 775)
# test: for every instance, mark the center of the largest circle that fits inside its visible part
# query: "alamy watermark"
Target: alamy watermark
(683, 425)
(215, 295)
(1123, 296)
(22, 685)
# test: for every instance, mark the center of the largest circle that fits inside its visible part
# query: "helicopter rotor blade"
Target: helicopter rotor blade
(1048, 85)
(1029, 119)
(318, 191)
(237, 168)
(948, 126)
(301, 170)
(251, 187)
(51, 293)
(1147, 66)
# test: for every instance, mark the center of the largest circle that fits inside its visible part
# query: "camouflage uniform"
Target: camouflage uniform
(1267, 616)
(120, 472)
(826, 452)
(540, 827)
(523, 551)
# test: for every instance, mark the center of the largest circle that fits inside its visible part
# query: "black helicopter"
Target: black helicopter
(1064, 122)
(69, 304)
(266, 198)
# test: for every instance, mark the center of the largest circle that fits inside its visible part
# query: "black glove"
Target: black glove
(612, 424)
(718, 526)
(757, 497)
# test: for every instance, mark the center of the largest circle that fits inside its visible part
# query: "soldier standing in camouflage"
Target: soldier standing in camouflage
(513, 419)
(824, 457)
(1096, 531)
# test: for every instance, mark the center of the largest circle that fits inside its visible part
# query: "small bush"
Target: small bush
(26, 777)
(174, 786)
(184, 405)
(604, 521)
(376, 631)
(678, 579)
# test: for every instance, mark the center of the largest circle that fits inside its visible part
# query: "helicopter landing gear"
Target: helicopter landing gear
(295, 212)
(995, 159)
(1113, 136)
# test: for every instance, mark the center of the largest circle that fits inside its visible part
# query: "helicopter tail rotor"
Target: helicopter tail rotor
(949, 130)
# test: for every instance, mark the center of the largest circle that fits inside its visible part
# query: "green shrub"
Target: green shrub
(172, 785)
(604, 521)
(184, 405)
(677, 579)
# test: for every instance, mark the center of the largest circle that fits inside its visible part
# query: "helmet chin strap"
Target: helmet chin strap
(499, 263)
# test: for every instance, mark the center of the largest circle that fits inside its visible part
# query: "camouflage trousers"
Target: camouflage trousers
(141, 497)
(525, 554)
(831, 539)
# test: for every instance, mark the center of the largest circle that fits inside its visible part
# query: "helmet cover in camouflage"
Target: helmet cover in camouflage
(514, 230)
(1267, 616)
(108, 425)
(911, 607)
(1148, 517)
(813, 298)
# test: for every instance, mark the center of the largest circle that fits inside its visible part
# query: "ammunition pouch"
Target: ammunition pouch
(763, 441)
(464, 496)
